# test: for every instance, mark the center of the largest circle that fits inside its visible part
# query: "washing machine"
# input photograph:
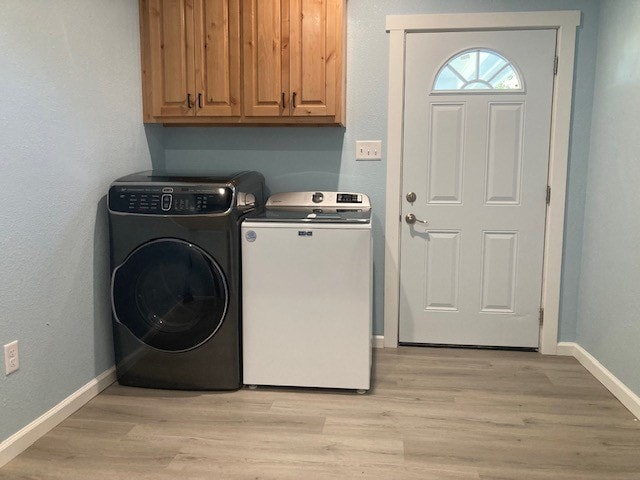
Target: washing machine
(176, 278)
(307, 292)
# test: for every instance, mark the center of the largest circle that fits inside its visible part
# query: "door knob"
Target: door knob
(411, 219)
(411, 197)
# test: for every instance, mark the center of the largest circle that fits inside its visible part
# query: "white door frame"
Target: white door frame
(565, 22)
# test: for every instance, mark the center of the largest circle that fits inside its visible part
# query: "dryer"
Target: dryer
(175, 277)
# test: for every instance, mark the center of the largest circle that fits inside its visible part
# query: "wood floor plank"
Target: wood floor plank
(277, 470)
(433, 413)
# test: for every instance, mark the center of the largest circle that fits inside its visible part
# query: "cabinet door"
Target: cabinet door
(263, 42)
(169, 64)
(217, 54)
(316, 50)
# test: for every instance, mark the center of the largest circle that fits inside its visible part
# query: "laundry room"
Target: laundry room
(448, 397)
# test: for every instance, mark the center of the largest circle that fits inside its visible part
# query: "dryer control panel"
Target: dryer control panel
(170, 200)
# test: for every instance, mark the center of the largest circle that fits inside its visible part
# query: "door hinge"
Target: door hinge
(555, 65)
(548, 194)
(541, 317)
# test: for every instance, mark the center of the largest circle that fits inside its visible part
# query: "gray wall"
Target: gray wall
(324, 158)
(609, 307)
(70, 122)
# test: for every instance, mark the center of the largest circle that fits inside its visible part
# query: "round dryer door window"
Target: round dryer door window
(170, 294)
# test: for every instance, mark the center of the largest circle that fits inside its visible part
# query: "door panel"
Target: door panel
(504, 156)
(170, 294)
(291, 281)
(314, 52)
(444, 163)
(217, 50)
(172, 57)
(442, 270)
(499, 265)
(262, 35)
(477, 161)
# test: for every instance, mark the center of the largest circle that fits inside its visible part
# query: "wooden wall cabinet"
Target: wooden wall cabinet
(243, 61)
(291, 58)
(190, 58)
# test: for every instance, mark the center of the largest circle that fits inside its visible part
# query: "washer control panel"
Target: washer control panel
(319, 200)
(170, 200)
(349, 198)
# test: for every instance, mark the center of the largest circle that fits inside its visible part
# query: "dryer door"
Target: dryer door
(170, 294)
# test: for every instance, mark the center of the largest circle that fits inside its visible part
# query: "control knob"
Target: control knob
(246, 199)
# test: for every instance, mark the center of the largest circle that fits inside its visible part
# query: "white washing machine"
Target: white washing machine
(307, 292)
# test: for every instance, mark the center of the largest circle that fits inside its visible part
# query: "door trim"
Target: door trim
(566, 23)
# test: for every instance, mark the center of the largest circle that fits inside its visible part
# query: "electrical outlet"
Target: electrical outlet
(369, 150)
(11, 358)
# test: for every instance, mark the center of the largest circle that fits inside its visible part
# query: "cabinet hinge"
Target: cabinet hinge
(541, 317)
(555, 65)
(548, 194)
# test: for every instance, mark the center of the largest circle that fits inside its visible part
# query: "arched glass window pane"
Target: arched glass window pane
(490, 64)
(466, 64)
(507, 79)
(477, 69)
(447, 80)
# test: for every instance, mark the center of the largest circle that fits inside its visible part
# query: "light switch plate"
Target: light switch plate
(369, 150)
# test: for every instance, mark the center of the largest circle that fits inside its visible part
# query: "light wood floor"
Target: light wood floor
(433, 414)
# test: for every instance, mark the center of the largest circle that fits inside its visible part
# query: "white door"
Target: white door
(475, 154)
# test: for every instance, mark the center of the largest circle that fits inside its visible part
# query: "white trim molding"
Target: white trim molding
(24, 438)
(612, 383)
(378, 341)
(565, 22)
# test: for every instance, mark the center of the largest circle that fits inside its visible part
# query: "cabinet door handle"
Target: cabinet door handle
(282, 99)
(189, 100)
(293, 100)
(200, 100)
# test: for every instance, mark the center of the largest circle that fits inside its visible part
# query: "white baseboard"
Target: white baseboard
(566, 349)
(22, 439)
(623, 393)
(378, 341)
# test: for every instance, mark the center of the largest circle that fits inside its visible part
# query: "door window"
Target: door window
(170, 294)
(477, 69)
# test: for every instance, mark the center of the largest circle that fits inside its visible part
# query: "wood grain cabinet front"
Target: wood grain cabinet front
(190, 59)
(292, 58)
(243, 61)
